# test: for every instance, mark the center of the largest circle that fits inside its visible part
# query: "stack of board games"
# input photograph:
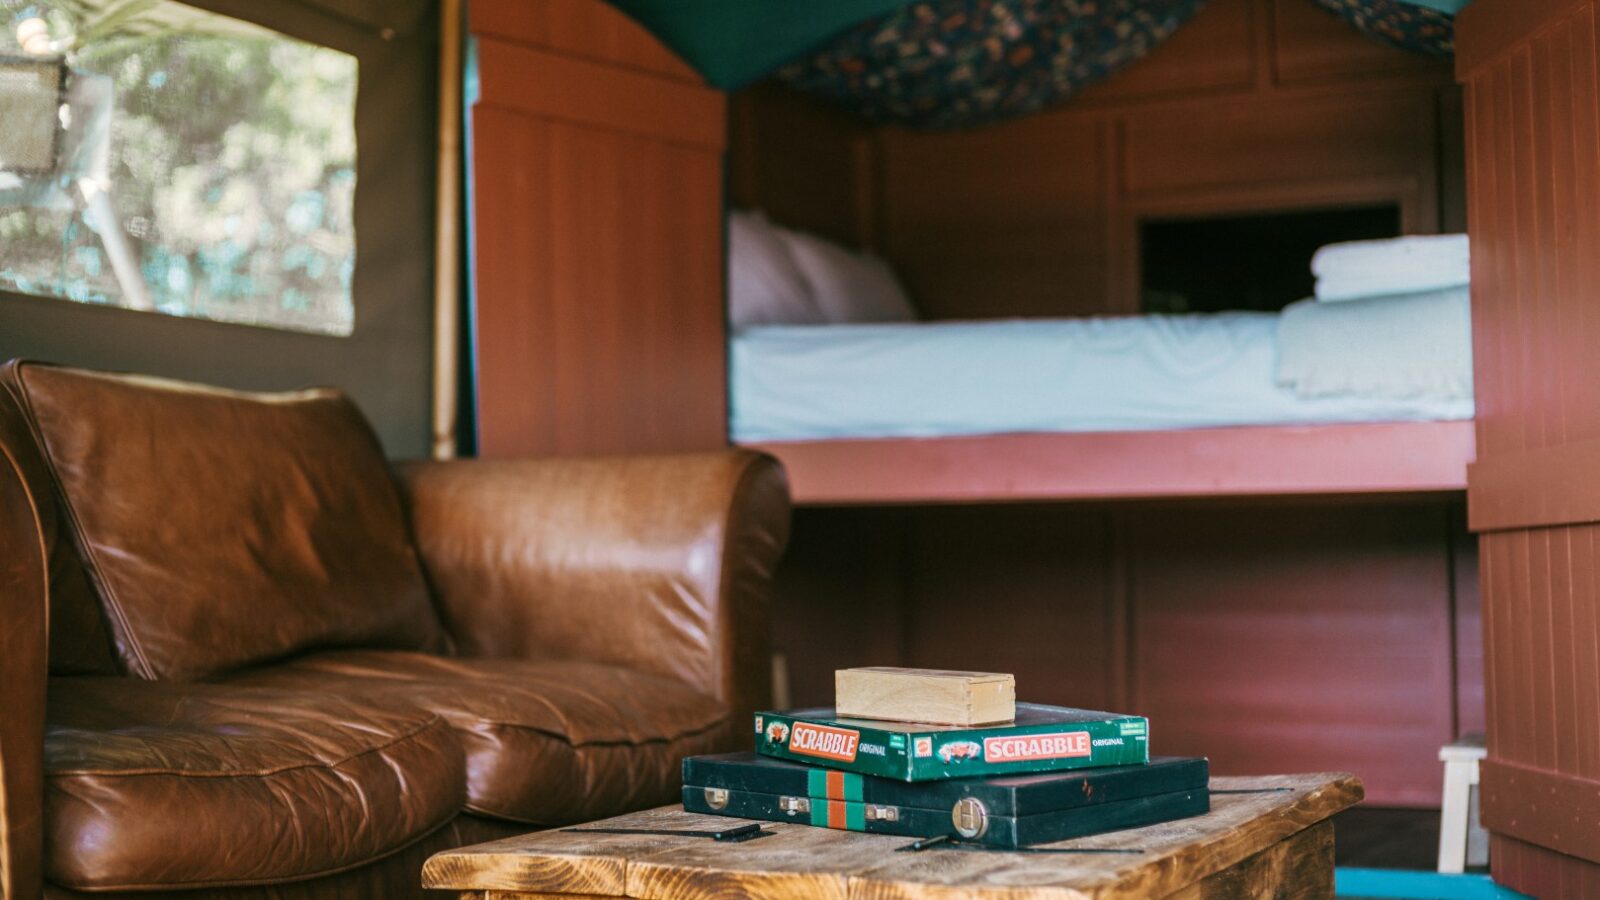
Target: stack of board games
(1008, 811)
(1046, 773)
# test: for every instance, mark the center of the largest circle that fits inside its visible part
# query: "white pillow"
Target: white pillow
(765, 286)
(1404, 347)
(1405, 265)
(846, 286)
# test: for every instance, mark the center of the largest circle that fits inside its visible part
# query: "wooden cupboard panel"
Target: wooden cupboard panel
(1493, 28)
(1024, 171)
(808, 166)
(1541, 872)
(599, 322)
(1504, 497)
(1468, 625)
(1311, 44)
(1283, 142)
(1322, 637)
(1188, 63)
(597, 228)
(596, 95)
(1004, 272)
(1024, 590)
(588, 29)
(1533, 134)
(1292, 635)
(1452, 162)
(1003, 221)
(841, 596)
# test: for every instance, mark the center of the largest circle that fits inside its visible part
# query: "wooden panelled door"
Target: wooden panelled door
(1533, 151)
(597, 222)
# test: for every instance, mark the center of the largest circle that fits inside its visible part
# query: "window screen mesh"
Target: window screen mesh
(217, 158)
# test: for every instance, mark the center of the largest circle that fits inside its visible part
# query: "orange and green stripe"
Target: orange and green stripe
(836, 800)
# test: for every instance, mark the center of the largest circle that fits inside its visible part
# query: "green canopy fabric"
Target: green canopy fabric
(1448, 7)
(735, 42)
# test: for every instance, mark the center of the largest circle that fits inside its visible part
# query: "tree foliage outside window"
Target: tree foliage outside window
(231, 171)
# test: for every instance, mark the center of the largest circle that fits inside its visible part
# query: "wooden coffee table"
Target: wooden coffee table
(1266, 836)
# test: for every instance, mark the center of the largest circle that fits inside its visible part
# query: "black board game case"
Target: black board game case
(1007, 811)
(1040, 739)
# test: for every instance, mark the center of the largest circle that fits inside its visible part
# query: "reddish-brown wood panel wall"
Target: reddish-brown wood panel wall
(598, 161)
(1533, 155)
(1255, 105)
(1269, 636)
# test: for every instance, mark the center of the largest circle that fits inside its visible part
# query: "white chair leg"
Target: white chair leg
(1453, 818)
(1477, 837)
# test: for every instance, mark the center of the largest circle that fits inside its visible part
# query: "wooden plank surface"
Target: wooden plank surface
(1271, 460)
(1249, 815)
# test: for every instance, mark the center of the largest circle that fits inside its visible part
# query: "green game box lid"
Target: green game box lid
(1041, 739)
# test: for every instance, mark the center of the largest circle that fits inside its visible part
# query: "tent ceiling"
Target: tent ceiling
(735, 42)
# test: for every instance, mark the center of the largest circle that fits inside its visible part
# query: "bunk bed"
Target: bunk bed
(1039, 218)
(1366, 390)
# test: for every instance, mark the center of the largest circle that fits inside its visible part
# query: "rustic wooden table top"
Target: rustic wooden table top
(1248, 815)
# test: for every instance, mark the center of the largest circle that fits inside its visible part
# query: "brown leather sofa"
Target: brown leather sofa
(243, 657)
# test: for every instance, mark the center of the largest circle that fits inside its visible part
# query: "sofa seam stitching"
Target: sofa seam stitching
(719, 722)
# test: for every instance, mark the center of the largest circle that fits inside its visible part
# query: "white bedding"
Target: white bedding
(1105, 374)
(1412, 345)
(1404, 265)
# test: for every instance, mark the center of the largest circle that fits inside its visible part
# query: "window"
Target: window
(1247, 262)
(194, 165)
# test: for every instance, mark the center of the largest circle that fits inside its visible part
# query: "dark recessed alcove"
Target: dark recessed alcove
(1245, 262)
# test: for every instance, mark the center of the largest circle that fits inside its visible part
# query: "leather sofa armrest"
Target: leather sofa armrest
(24, 673)
(661, 564)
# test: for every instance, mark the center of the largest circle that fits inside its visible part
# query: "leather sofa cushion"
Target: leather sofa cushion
(223, 528)
(547, 742)
(160, 786)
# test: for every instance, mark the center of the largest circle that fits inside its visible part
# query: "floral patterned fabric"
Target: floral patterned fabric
(961, 63)
(1414, 28)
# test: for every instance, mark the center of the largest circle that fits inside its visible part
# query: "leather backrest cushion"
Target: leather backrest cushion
(79, 642)
(224, 529)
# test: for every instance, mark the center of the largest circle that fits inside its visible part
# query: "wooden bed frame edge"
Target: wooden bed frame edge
(1268, 460)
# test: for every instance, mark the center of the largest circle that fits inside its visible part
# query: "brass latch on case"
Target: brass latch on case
(717, 798)
(882, 813)
(793, 805)
(970, 817)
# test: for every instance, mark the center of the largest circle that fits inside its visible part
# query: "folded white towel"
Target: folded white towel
(1415, 346)
(1395, 266)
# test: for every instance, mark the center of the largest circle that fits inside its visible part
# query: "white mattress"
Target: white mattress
(1106, 374)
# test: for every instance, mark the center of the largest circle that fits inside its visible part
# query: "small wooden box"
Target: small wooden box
(932, 696)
